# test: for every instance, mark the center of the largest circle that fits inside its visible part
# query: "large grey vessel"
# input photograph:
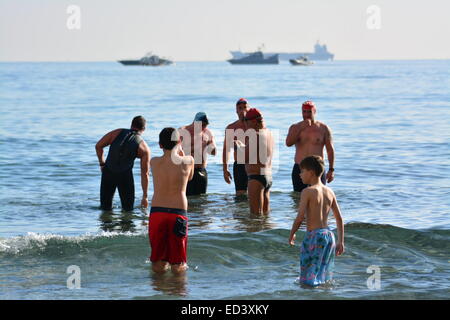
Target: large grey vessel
(320, 53)
(256, 58)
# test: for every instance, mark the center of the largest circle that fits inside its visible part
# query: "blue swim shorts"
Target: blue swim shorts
(317, 254)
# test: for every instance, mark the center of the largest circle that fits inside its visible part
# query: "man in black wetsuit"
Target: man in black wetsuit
(117, 170)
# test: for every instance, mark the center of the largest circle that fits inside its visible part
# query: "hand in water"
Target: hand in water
(339, 249)
(292, 240)
(227, 176)
(144, 202)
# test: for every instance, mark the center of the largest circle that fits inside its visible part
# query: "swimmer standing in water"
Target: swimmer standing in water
(258, 162)
(310, 137)
(234, 134)
(198, 141)
(117, 171)
(319, 247)
(168, 222)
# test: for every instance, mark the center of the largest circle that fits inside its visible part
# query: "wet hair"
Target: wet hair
(314, 163)
(168, 138)
(138, 123)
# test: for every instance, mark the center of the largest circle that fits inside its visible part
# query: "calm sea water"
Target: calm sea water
(390, 122)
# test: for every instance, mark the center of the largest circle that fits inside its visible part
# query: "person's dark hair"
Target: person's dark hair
(138, 123)
(314, 163)
(168, 138)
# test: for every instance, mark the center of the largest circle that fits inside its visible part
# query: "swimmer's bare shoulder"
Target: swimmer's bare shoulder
(329, 193)
(155, 160)
(308, 193)
(233, 125)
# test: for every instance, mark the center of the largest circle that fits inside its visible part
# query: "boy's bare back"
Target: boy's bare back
(170, 180)
(317, 201)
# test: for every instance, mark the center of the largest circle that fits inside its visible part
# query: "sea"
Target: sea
(391, 129)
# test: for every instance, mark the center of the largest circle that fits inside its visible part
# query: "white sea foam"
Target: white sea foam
(40, 241)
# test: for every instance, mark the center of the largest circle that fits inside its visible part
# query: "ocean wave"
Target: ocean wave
(359, 236)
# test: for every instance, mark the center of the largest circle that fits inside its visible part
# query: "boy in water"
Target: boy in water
(319, 248)
(168, 222)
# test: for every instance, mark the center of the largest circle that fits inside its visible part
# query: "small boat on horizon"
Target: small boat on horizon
(148, 60)
(301, 61)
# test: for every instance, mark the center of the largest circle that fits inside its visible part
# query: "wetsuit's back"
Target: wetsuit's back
(123, 151)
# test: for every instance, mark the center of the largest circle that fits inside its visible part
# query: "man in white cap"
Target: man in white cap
(198, 142)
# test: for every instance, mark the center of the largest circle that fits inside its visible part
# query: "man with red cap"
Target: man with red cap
(310, 137)
(258, 161)
(234, 137)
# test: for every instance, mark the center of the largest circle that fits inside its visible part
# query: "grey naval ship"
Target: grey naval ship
(255, 58)
(320, 53)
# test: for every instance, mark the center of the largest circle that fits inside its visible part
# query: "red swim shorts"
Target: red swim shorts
(167, 231)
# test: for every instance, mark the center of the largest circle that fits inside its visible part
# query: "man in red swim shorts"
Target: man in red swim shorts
(168, 221)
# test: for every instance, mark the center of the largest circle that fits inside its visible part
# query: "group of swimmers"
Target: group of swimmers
(181, 172)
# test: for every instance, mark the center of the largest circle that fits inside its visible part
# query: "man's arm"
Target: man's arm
(211, 144)
(292, 136)
(300, 215)
(192, 166)
(225, 155)
(294, 132)
(105, 141)
(330, 153)
(144, 155)
(340, 226)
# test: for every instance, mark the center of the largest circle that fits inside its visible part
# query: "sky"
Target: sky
(206, 30)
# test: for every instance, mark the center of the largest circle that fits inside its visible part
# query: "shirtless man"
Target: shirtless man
(258, 162)
(232, 133)
(310, 137)
(168, 221)
(198, 141)
(117, 170)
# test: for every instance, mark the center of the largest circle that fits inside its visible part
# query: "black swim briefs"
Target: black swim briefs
(265, 180)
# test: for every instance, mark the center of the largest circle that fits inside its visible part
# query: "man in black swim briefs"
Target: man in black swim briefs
(234, 134)
(117, 171)
(258, 159)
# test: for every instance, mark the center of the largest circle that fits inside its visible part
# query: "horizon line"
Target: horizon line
(94, 61)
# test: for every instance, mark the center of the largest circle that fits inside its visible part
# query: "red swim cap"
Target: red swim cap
(308, 105)
(241, 100)
(252, 114)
